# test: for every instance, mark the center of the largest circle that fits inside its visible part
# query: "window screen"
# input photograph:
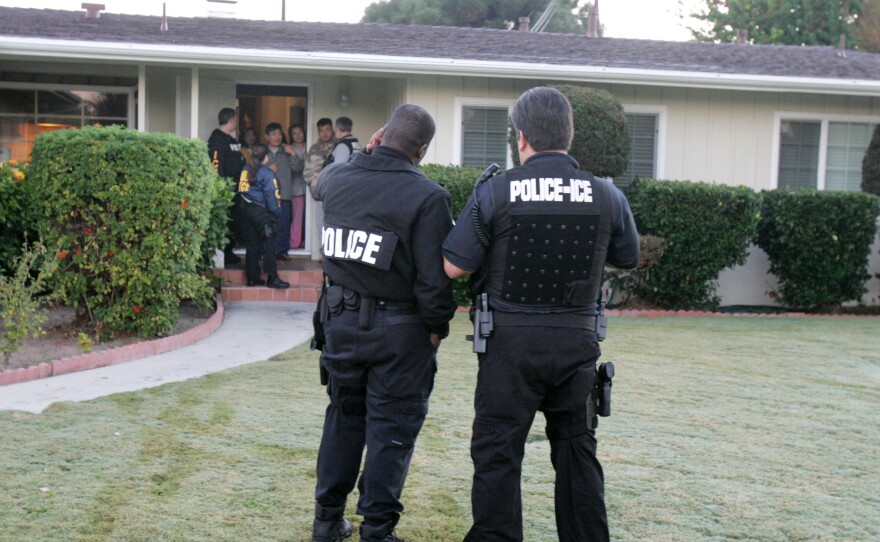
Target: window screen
(847, 143)
(643, 149)
(484, 136)
(799, 154)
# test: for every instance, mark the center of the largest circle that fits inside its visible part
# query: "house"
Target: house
(760, 116)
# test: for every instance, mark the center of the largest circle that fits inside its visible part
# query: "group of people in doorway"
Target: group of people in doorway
(270, 179)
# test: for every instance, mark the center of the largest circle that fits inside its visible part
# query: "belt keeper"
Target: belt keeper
(365, 315)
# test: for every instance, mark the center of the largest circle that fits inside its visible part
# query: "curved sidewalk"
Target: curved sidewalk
(253, 331)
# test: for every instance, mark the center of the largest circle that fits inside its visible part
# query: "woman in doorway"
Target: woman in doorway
(258, 190)
(248, 139)
(299, 149)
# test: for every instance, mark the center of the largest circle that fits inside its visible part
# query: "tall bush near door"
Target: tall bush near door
(818, 244)
(16, 214)
(133, 215)
(707, 228)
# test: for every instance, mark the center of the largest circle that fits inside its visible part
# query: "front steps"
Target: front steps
(303, 275)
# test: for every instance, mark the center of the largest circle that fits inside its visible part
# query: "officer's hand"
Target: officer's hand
(435, 340)
(288, 149)
(375, 139)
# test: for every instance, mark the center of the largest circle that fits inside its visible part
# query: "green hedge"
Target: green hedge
(136, 216)
(16, 214)
(707, 228)
(459, 180)
(818, 244)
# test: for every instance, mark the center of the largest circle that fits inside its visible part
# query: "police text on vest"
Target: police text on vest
(357, 245)
(551, 189)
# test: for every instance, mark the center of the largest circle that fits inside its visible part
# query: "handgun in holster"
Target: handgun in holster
(484, 323)
(599, 401)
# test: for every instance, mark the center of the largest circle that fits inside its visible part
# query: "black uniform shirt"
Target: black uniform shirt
(463, 249)
(225, 154)
(384, 222)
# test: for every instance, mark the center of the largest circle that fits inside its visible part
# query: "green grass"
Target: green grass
(723, 429)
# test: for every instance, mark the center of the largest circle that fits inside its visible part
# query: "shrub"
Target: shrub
(818, 244)
(133, 215)
(601, 136)
(459, 180)
(16, 214)
(625, 282)
(871, 165)
(707, 228)
(20, 296)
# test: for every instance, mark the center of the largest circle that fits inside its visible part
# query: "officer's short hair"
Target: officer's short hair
(272, 126)
(324, 121)
(344, 124)
(225, 115)
(543, 114)
(409, 127)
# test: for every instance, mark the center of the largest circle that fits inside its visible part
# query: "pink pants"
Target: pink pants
(296, 225)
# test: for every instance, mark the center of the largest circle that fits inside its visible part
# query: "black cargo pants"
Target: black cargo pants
(525, 370)
(380, 380)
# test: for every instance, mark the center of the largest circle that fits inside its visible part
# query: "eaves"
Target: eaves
(236, 58)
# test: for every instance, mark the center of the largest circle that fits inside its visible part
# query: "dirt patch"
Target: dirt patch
(60, 340)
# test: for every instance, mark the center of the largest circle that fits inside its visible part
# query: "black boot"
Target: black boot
(333, 530)
(274, 282)
(382, 533)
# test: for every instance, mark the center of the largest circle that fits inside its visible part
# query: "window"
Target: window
(26, 113)
(483, 136)
(822, 153)
(643, 130)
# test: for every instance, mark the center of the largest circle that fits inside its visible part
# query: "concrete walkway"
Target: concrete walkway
(250, 332)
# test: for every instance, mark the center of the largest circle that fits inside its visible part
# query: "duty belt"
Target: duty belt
(566, 320)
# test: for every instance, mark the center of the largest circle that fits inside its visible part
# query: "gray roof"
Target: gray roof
(432, 42)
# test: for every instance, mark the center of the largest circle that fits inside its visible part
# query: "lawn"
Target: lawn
(723, 429)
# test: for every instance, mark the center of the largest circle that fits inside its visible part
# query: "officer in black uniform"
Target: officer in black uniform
(536, 238)
(386, 309)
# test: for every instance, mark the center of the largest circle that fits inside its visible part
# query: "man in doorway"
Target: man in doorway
(226, 158)
(315, 159)
(318, 154)
(346, 144)
(282, 163)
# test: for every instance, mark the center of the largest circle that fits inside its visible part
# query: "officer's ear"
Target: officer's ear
(420, 153)
(521, 141)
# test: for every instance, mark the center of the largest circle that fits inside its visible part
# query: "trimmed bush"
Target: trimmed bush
(134, 215)
(871, 165)
(818, 244)
(707, 228)
(16, 214)
(459, 180)
(601, 137)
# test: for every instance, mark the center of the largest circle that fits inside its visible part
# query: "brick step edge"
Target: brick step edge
(113, 356)
(232, 294)
(236, 277)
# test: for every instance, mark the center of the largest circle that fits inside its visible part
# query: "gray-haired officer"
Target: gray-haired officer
(537, 238)
(386, 309)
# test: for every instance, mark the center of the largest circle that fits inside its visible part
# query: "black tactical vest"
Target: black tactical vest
(550, 235)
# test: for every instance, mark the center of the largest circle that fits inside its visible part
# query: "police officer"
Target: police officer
(536, 238)
(228, 161)
(388, 305)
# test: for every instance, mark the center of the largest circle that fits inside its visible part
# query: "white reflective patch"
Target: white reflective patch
(551, 189)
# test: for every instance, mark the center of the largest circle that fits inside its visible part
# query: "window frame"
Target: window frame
(458, 135)
(661, 112)
(37, 87)
(824, 119)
